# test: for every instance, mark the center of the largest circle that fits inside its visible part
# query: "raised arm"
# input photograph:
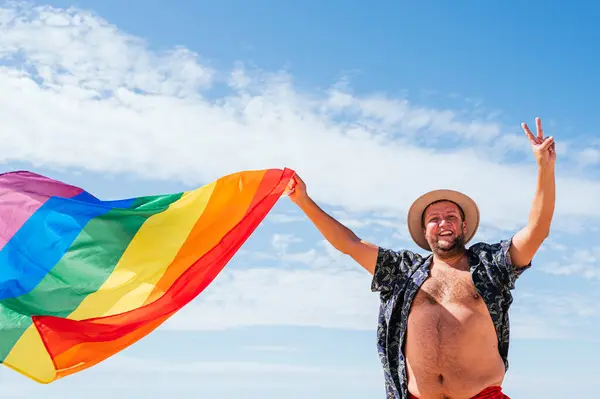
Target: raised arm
(342, 238)
(527, 241)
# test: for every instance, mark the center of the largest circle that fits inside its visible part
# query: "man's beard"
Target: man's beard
(442, 251)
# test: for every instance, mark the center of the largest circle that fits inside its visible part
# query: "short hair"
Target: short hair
(462, 213)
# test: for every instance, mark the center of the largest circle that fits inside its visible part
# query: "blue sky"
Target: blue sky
(372, 104)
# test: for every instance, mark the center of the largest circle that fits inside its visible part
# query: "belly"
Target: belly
(451, 350)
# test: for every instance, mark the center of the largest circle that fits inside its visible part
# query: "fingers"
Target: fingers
(296, 183)
(549, 141)
(528, 133)
(540, 131)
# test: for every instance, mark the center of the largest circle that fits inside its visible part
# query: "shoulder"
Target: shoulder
(391, 265)
(403, 259)
(495, 258)
(387, 254)
(486, 250)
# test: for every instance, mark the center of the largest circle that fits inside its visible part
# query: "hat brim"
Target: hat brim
(415, 214)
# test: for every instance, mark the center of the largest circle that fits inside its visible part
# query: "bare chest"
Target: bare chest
(448, 287)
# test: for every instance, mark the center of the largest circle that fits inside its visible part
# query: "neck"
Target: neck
(454, 260)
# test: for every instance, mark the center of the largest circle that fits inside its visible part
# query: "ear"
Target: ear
(465, 227)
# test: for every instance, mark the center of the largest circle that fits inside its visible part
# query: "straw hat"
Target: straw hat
(415, 214)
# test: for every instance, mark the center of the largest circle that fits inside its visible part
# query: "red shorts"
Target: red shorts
(494, 392)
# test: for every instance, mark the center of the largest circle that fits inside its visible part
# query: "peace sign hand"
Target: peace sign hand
(544, 148)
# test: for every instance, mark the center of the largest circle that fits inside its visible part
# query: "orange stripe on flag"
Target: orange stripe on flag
(78, 344)
(227, 206)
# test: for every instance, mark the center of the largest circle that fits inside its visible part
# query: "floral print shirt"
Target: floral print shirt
(399, 275)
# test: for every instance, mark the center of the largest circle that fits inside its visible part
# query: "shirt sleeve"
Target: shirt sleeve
(497, 256)
(390, 265)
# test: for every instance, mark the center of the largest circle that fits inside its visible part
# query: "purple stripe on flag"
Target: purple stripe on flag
(22, 193)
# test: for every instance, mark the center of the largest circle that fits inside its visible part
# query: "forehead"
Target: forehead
(442, 207)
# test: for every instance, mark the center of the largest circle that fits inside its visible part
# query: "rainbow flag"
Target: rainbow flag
(81, 279)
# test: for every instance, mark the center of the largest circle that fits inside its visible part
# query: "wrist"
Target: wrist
(545, 168)
(303, 200)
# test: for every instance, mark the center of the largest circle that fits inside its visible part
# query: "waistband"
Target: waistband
(493, 392)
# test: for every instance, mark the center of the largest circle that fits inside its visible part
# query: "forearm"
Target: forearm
(542, 209)
(528, 240)
(338, 235)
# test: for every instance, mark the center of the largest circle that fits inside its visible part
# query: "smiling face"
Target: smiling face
(445, 228)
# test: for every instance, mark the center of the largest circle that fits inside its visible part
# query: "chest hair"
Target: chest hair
(448, 286)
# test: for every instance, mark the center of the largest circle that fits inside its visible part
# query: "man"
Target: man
(443, 326)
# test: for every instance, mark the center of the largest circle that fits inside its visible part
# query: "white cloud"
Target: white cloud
(138, 365)
(557, 314)
(277, 217)
(589, 156)
(69, 79)
(585, 269)
(574, 261)
(341, 299)
(239, 79)
(332, 291)
(79, 93)
(325, 297)
(70, 49)
(125, 376)
(281, 242)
